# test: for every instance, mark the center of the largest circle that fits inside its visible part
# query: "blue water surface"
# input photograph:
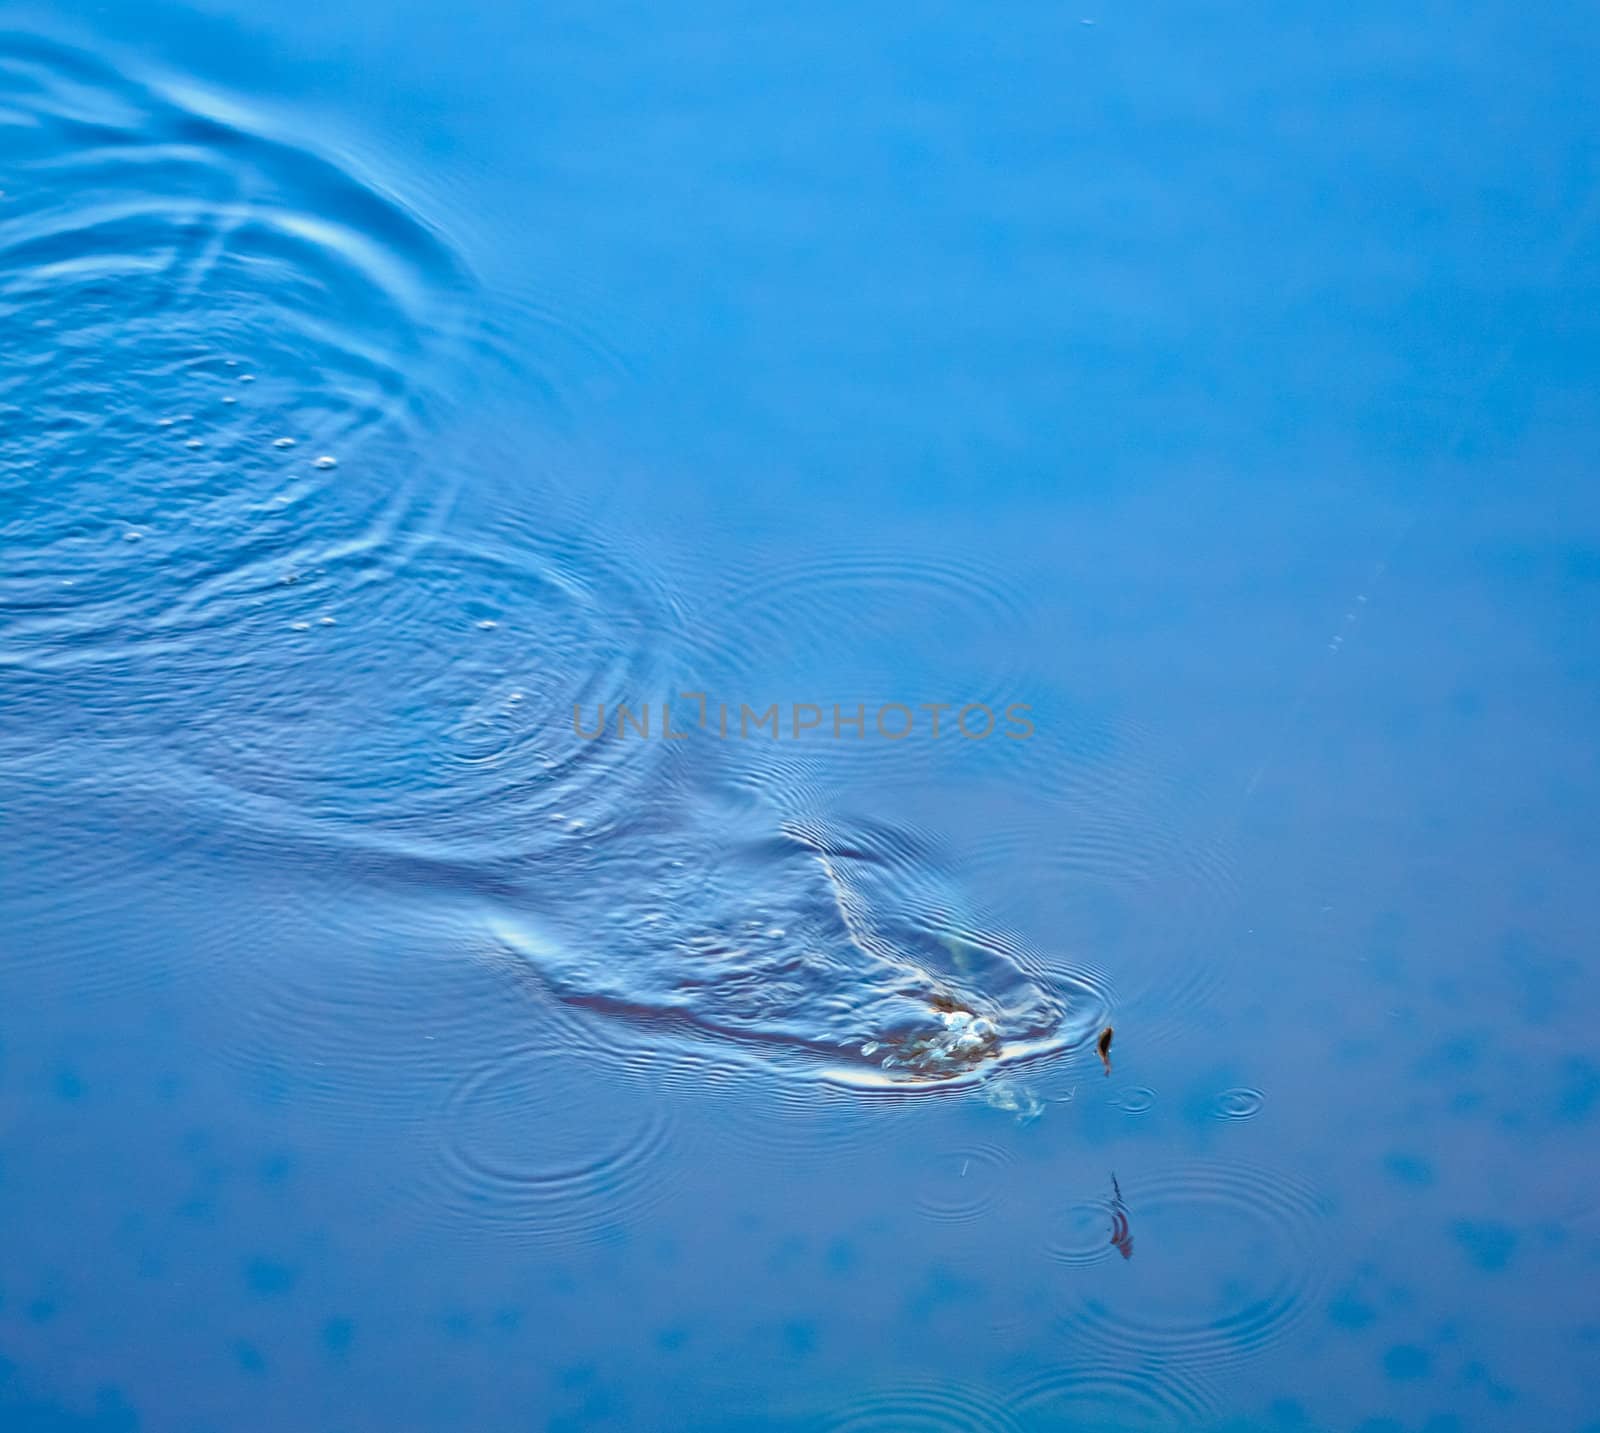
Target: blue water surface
(1192, 408)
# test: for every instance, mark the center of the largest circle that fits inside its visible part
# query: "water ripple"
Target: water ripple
(221, 347)
(230, 562)
(963, 1184)
(1238, 1104)
(422, 705)
(923, 1408)
(1142, 1395)
(763, 1115)
(1249, 1242)
(1083, 1233)
(1138, 1100)
(536, 1144)
(327, 997)
(850, 952)
(826, 631)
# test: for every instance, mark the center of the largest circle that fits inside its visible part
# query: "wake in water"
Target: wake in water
(729, 920)
(226, 357)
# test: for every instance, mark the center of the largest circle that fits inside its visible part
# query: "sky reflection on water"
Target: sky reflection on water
(375, 1051)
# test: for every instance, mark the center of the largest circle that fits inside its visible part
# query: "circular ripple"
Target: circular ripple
(1138, 1395)
(1109, 843)
(923, 1408)
(963, 1184)
(542, 1143)
(800, 611)
(1083, 1234)
(422, 705)
(1108, 805)
(1237, 1104)
(825, 632)
(219, 346)
(1139, 1100)
(1247, 1242)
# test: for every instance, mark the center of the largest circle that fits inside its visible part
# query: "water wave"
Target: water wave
(422, 704)
(923, 1407)
(1133, 1395)
(1251, 1241)
(827, 632)
(963, 1184)
(1243, 1102)
(221, 348)
(1083, 1233)
(229, 553)
(537, 1145)
(850, 950)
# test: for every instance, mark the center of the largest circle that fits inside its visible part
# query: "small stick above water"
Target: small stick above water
(1103, 1048)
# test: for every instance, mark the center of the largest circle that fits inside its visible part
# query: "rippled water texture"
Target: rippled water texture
(222, 357)
(390, 1039)
(228, 534)
(855, 949)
